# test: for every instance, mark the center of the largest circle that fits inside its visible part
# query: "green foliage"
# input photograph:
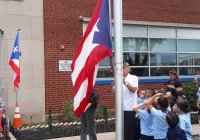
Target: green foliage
(102, 112)
(191, 93)
(67, 112)
(99, 113)
(105, 113)
(50, 120)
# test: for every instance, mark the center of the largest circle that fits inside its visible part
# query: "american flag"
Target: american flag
(94, 47)
(14, 62)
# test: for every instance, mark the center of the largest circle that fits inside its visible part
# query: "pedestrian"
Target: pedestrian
(159, 114)
(88, 125)
(174, 131)
(197, 84)
(174, 84)
(129, 91)
(199, 126)
(146, 121)
(183, 111)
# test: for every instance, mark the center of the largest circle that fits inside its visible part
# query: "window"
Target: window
(153, 51)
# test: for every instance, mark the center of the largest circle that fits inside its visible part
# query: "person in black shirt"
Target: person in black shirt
(174, 85)
(87, 118)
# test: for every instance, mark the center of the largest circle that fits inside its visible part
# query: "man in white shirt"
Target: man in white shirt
(130, 87)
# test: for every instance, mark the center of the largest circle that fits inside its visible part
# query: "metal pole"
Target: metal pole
(19, 66)
(16, 96)
(110, 18)
(1, 65)
(118, 69)
(1, 82)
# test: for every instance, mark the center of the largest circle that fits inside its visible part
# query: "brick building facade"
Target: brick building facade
(62, 26)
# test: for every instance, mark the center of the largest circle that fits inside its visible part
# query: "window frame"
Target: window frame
(178, 29)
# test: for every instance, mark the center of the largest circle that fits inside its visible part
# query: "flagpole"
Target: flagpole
(19, 66)
(1, 75)
(110, 18)
(16, 91)
(118, 69)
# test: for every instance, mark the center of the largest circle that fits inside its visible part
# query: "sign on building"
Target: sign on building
(65, 65)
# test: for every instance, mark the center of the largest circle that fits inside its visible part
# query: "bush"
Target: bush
(191, 94)
(50, 120)
(68, 112)
(102, 112)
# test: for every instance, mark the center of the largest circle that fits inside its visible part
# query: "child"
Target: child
(159, 125)
(142, 96)
(197, 84)
(149, 93)
(146, 120)
(198, 100)
(199, 126)
(183, 111)
(174, 131)
(174, 109)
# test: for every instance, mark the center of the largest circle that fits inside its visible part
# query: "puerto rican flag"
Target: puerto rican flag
(14, 62)
(94, 46)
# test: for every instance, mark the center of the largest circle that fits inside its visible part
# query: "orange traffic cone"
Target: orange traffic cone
(17, 120)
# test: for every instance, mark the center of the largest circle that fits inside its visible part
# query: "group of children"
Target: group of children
(162, 116)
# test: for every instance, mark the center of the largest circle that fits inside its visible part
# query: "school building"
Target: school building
(157, 36)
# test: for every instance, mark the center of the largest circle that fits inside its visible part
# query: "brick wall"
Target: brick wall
(63, 27)
(178, 11)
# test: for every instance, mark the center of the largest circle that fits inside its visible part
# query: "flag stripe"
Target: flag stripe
(82, 88)
(14, 67)
(83, 55)
(90, 64)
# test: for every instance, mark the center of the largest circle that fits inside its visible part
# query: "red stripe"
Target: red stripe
(84, 102)
(16, 69)
(97, 54)
(16, 82)
(87, 32)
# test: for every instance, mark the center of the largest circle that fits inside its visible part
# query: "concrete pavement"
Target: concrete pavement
(100, 136)
(111, 135)
(11, 136)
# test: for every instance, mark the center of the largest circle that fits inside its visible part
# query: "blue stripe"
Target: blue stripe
(147, 80)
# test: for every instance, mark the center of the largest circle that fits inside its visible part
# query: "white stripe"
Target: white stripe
(81, 94)
(16, 115)
(16, 62)
(16, 109)
(95, 73)
(86, 50)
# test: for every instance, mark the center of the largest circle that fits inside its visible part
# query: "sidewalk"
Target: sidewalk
(100, 136)
(111, 135)
(12, 137)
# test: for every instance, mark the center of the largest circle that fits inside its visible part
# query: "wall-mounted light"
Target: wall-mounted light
(62, 47)
(81, 18)
(1, 31)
